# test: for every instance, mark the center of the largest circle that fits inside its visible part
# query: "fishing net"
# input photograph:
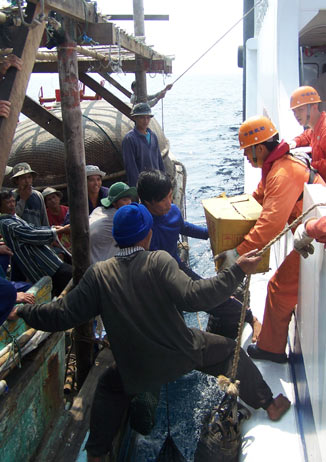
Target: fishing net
(220, 438)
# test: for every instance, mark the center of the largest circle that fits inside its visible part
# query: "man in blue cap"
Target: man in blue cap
(140, 147)
(137, 293)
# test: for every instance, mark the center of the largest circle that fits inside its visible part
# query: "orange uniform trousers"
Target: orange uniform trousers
(282, 296)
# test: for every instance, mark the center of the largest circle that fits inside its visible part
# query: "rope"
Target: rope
(218, 40)
(167, 408)
(16, 358)
(231, 385)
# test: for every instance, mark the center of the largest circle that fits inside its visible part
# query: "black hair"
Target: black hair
(153, 185)
(272, 143)
(4, 195)
(133, 85)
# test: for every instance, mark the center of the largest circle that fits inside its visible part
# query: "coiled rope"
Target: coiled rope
(230, 385)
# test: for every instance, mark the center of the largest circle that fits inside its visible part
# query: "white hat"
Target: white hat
(48, 191)
(93, 170)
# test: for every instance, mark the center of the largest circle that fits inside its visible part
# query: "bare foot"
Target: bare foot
(256, 328)
(278, 407)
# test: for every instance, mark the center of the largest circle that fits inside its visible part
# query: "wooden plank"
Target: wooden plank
(128, 66)
(44, 118)
(107, 95)
(35, 396)
(65, 441)
(13, 86)
(75, 9)
(130, 17)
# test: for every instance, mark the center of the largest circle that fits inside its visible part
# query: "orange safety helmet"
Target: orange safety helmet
(256, 130)
(304, 95)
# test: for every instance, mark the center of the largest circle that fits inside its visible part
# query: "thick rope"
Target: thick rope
(230, 385)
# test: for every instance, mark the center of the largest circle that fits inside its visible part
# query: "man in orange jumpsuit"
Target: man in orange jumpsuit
(312, 228)
(304, 104)
(280, 194)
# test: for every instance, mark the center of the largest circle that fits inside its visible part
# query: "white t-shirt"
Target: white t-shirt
(102, 243)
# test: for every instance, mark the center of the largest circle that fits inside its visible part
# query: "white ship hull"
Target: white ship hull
(281, 55)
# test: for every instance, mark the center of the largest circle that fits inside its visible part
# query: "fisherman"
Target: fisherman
(140, 147)
(151, 99)
(96, 192)
(155, 192)
(55, 210)
(30, 204)
(102, 243)
(56, 215)
(305, 106)
(280, 192)
(9, 61)
(29, 245)
(137, 293)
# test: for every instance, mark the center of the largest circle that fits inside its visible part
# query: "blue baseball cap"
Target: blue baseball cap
(131, 224)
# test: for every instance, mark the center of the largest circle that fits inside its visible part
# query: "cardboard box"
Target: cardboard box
(229, 219)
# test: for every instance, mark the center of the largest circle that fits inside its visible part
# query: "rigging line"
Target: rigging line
(218, 40)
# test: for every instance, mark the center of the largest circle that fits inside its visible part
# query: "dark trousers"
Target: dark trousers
(111, 401)
(61, 278)
(224, 318)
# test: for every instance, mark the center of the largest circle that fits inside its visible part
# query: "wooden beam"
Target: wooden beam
(44, 118)
(13, 86)
(116, 84)
(74, 9)
(76, 180)
(130, 17)
(128, 67)
(107, 95)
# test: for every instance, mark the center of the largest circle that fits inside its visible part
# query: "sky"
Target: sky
(193, 27)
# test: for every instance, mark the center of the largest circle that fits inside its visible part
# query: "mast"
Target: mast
(139, 30)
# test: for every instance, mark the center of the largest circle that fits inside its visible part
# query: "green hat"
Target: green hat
(117, 191)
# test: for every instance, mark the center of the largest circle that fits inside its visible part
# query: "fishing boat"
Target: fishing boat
(285, 47)
(35, 425)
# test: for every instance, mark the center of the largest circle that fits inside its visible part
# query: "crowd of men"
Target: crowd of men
(137, 282)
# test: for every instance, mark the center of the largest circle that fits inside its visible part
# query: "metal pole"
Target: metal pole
(76, 182)
(139, 29)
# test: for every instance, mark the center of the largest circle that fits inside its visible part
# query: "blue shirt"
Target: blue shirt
(139, 154)
(167, 228)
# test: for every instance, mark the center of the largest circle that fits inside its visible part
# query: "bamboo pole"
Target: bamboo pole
(76, 181)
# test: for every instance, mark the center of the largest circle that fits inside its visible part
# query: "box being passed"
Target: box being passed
(229, 219)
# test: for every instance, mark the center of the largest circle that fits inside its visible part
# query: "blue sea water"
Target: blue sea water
(202, 115)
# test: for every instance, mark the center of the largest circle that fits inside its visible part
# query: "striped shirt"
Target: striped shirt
(29, 245)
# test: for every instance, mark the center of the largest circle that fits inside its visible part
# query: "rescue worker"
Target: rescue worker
(280, 192)
(312, 228)
(140, 149)
(305, 106)
(137, 293)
